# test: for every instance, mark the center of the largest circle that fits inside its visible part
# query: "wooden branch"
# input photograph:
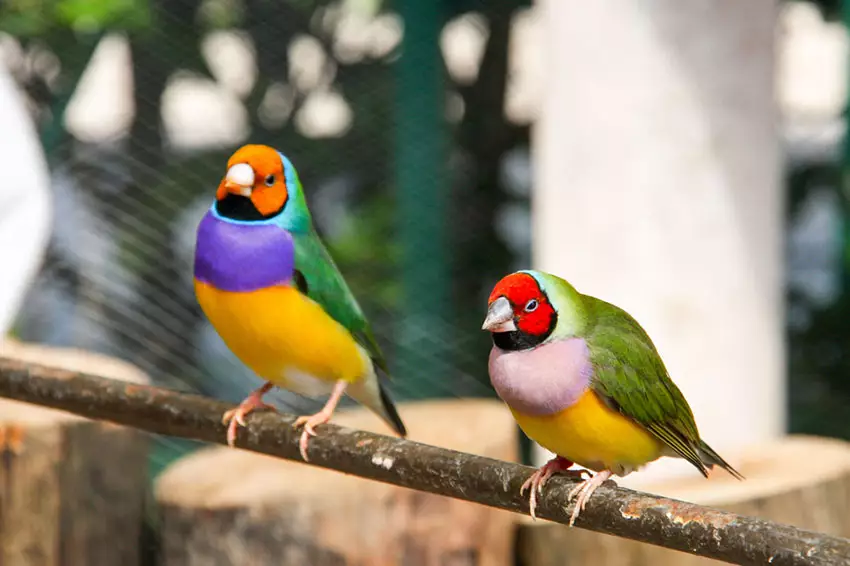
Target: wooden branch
(617, 511)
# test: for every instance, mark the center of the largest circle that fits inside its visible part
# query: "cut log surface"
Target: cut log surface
(71, 489)
(798, 480)
(228, 506)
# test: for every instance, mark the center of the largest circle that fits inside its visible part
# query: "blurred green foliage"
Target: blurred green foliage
(831, 9)
(818, 363)
(819, 334)
(139, 188)
(39, 18)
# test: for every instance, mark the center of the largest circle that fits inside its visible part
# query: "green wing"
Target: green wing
(630, 377)
(318, 277)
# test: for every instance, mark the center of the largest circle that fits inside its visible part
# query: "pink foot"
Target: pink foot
(584, 490)
(323, 416)
(539, 478)
(235, 417)
(308, 422)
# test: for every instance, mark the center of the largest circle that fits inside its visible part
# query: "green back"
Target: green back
(326, 286)
(631, 377)
(318, 272)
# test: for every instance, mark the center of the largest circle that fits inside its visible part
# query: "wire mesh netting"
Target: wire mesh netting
(415, 168)
(409, 125)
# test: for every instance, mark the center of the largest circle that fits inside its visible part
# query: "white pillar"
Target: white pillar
(658, 188)
(25, 202)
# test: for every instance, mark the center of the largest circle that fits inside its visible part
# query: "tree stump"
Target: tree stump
(798, 480)
(226, 506)
(71, 489)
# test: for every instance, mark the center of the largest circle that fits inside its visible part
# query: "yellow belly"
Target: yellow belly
(592, 435)
(279, 333)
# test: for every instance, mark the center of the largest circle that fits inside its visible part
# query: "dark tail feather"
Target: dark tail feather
(711, 458)
(393, 419)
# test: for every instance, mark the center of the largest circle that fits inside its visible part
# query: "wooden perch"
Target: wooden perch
(617, 511)
(817, 500)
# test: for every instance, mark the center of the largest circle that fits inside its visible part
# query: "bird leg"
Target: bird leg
(321, 417)
(235, 417)
(539, 478)
(584, 490)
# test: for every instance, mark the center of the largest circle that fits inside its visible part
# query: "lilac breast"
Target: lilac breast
(242, 257)
(544, 380)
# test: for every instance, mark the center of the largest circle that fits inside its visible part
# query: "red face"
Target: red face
(532, 312)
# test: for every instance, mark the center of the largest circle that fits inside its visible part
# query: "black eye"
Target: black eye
(531, 305)
(270, 181)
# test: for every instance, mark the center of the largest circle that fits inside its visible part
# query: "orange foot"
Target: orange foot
(323, 416)
(235, 417)
(539, 478)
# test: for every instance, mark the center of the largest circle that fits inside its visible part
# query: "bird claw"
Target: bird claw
(539, 478)
(583, 491)
(309, 422)
(323, 416)
(236, 417)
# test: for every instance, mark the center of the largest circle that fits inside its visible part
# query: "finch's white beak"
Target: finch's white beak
(240, 179)
(500, 317)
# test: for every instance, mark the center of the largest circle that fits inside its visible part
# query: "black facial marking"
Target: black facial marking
(300, 282)
(237, 207)
(517, 340)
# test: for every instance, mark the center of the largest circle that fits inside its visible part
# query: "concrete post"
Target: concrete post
(657, 188)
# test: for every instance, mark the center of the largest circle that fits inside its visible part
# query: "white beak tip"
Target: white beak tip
(241, 175)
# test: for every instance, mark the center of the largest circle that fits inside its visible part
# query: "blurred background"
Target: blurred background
(409, 124)
(416, 169)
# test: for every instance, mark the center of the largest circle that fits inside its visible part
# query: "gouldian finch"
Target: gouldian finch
(583, 379)
(271, 290)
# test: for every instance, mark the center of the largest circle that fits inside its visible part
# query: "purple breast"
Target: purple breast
(242, 257)
(544, 380)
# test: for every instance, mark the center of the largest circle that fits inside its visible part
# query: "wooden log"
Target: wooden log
(71, 489)
(798, 480)
(228, 506)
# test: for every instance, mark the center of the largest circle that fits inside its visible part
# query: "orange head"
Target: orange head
(254, 187)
